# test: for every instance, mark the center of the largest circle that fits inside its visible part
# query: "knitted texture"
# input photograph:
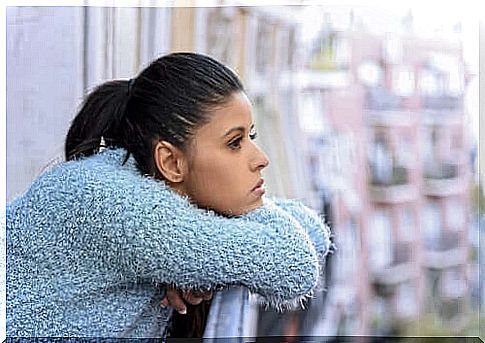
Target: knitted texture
(92, 245)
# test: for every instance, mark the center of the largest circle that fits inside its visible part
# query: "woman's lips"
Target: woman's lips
(259, 189)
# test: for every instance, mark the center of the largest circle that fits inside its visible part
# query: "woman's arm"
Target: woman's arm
(159, 236)
(311, 221)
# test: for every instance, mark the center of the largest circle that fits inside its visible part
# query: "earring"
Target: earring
(102, 145)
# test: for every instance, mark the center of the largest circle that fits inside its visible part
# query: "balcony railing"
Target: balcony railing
(401, 268)
(441, 171)
(446, 259)
(391, 186)
(397, 176)
(393, 194)
(443, 102)
(443, 180)
(443, 241)
(232, 316)
(381, 99)
(445, 250)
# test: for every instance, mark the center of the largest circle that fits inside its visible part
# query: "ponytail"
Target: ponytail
(100, 119)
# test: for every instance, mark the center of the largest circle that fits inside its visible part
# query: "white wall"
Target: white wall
(44, 86)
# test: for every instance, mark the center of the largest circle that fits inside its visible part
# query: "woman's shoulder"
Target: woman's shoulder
(114, 174)
(104, 170)
(102, 166)
(104, 181)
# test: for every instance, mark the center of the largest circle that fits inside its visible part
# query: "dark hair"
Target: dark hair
(167, 101)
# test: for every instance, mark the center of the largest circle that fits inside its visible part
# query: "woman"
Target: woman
(173, 198)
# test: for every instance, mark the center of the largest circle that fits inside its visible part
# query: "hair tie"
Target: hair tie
(130, 86)
(102, 144)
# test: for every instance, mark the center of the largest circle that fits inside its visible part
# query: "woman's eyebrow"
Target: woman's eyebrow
(238, 128)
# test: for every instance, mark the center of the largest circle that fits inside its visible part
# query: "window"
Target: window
(451, 70)
(406, 300)
(455, 82)
(287, 48)
(380, 240)
(346, 259)
(331, 52)
(407, 223)
(392, 50)
(312, 116)
(380, 159)
(455, 214)
(264, 47)
(453, 283)
(428, 83)
(343, 52)
(403, 80)
(432, 225)
(370, 73)
(220, 34)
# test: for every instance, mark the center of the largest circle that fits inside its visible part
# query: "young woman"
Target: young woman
(162, 189)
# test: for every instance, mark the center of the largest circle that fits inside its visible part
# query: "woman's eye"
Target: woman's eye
(253, 134)
(235, 144)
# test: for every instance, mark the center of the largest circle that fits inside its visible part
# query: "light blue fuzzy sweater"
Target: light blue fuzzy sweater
(92, 245)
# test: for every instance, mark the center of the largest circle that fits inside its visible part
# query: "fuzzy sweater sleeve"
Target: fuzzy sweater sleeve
(159, 236)
(313, 223)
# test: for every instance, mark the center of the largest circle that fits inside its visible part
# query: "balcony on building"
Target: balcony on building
(443, 164)
(329, 64)
(389, 179)
(380, 99)
(390, 184)
(442, 179)
(399, 270)
(441, 102)
(445, 250)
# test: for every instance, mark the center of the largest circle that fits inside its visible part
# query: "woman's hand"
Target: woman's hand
(176, 298)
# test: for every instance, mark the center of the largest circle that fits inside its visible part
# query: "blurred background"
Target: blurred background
(369, 115)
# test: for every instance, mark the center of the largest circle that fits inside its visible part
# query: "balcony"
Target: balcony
(324, 79)
(441, 171)
(391, 185)
(380, 99)
(401, 268)
(386, 281)
(389, 118)
(445, 251)
(443, 102)
(442, 180)
(383, 176)
(233, 313)
(446, 259)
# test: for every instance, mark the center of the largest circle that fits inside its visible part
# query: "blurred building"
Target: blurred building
(395, 153)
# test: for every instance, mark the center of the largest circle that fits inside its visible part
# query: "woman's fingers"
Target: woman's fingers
(173, 298)
(192, 297)
(164, 303)
(207, 295)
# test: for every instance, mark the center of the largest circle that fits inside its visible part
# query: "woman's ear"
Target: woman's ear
(170, 162)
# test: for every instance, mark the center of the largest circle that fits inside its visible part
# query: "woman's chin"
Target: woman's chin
(235, 212)
(252, 207)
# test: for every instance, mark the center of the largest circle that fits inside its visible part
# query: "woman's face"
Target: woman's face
(225, 164)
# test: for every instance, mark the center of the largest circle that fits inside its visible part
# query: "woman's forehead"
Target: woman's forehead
(236, 113)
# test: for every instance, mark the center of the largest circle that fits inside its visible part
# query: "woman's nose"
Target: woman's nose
(260, 160)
